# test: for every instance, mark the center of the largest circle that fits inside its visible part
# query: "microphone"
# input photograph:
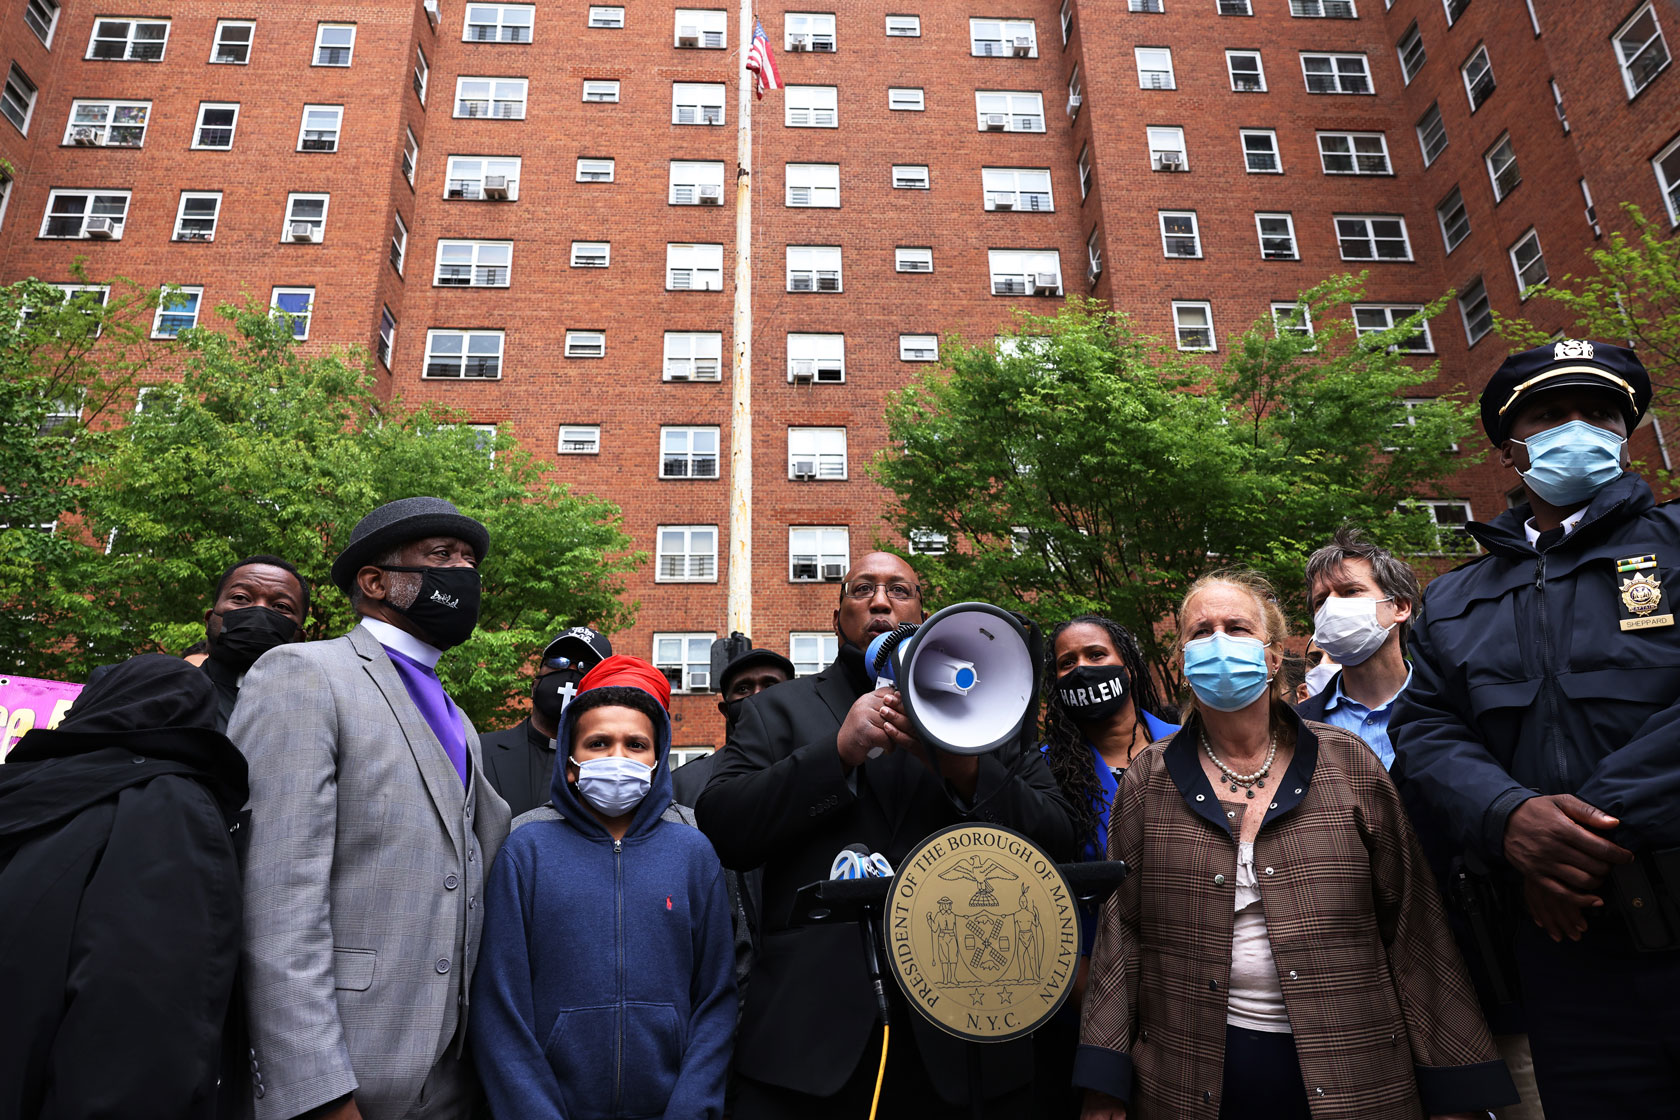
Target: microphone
(856, 861)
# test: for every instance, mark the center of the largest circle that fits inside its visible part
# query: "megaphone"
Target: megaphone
(966, 676)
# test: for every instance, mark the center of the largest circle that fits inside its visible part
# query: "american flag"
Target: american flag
(760, 62)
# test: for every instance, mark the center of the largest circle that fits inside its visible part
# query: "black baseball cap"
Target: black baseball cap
(1567, 363)
(755, 657)
(581, 644)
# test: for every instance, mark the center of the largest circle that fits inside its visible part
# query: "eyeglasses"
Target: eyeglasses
(862, 589)
(565, 663)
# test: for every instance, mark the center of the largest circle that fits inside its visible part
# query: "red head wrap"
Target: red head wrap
(628, 672)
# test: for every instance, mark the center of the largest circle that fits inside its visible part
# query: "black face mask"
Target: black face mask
(547, 697)
(1094, 692)
(446, 610)
(248, 633)
(732, 712)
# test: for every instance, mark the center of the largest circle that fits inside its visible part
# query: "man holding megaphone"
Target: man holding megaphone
(828, 761)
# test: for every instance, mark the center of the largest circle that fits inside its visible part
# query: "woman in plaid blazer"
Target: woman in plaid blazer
(1279, 951)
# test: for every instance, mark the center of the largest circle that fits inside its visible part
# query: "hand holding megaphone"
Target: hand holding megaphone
(876, 725)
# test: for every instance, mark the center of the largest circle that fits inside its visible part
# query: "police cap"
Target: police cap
(1569, 363)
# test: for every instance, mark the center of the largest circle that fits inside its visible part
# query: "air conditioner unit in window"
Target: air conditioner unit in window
(1003, 201)
(711, 194)
(1170, 161)
(496, 187)
(802, 369)
(677, 373)
(822, 43)
(1023, 47)
(833, 572)
(102, 228)
(85, 138)
(1093, 272)
(828, 282)
(1074, 102)
(799, 43)
(302, 231)
(804, 468)
(1044, 283)
(996, 122)
(688, 36)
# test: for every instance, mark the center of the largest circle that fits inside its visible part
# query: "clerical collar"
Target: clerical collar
(1568, 525)
(403, 642)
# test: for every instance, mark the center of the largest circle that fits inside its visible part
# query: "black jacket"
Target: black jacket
(520, 764)
(120, 906)
(779, 798)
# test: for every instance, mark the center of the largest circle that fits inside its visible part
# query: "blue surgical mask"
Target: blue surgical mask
(1570, 463)
(1227, 674)
(615, 784)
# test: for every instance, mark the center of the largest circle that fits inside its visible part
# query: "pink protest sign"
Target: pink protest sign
(27, 702)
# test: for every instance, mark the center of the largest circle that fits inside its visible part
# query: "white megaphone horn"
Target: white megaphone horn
(966, 676)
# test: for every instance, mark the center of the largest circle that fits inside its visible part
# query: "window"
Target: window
(232, 44)
(811, 107)
(476, 177)
(1371, 319)
(1336, 73)
(1247, 73)
(1179, 235)
(320, 128)
(129, 40)
(1193, 324)
(1449, 519)
(5, 193)
(988, 38)
(909, 177)
(1431, 134)
(686, 659)
(696, 183)
(1667, 168)
(912, 260)
(909, 27)
(586, 344)
(1354, 153)
(605, 92)
(1557, 104)
(42, 18)
(687, 554)
(117, 124)
(422, 74)
(1323, 9)
(1528, 262)
(693, 268)
(17, 101)
(399, 243)
(1144, 6)
(1085, 172)
(688, 452)
(1412, 54)
(502, 98)
(1502, 168)
(1166, 149)
(1478, 78)
(918, 348)
(1455, 223)
(1093, 256)
(580, 439)
(474, 264)
(1235, 8)
(410, 156)
(297, 305)
(704, 30)
(808, 31)
(1007, 111)
(86, 214)
(1016, 188)
(195, 217)
(464, 354)
(1277, 237)
(1455, 9)
(817, 358)
(817, 453)
(606, 17)
(591, 254)
(1067, 21)
(693, 356)
(696, 103)
(1372, 238)
(1025, 272)
(1641, 50)
(1154, 67)
(498, 23)
(818, 553)
(1477, 314)
(1591, 213)
(306, 217)
(594, 170)
(215, 126)
(1292, 318)
(816, 268)
(177, 311)
(334, 43)
(1075, 97)
(812, 651)
(813, 184)
(906, 100)
(1260, 151)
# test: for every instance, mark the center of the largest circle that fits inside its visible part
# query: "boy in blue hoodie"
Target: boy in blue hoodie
(605, 982)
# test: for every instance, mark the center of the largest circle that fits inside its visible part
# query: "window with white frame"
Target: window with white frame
(464, 354)
(591, 254)
(1009, 110)
(601, 91)
(334, 43)
(594, 170)
(1323, 9)
(1455, 222)
(1025, 272)
(117, 124)
(196, 216)
(1179, 234)
(498, 23)
(86, 214)
(86, 298)
(813, 184)
(1641, 50)
(214, 129)
(696, 183)
(605, 16)
(918, 348)
(1076, 96)
(1292, 317)
(693, 268)
(388, 339)
(1455, 9)
(1374, 318)
(42, 18)
(1502, 168)
(1372, 237)
(484, 439)
(579, 439)
(1154, 68)
(693, 356)
(697, 102)
(1431, 134)
(476, 177)
(816, 453)
(306, 217)
(1528, 262)
(1260, 151)
(910, 177)
(1248, 75)
(812, 651)
(815, 268)
(1557, 104)
(320, 128)
(687, 452)
(177, 311)
(5, 193)
(912, 260)
(1277, 237)
(808, 31)
(907, 27)
(992, 38)
(586, 344)
(1354, 153)
(1474, 309)
(1336, 73)
(501, 98)
(129, 40)
(687, 554)
(1412, 54)
(1236, 8)
(702, 29)
(906, 100)
(1477, 72)
(399, 243)
(817, 358)
(1667, 169)
(818, 553)
(1016, 188)
(474, 264)
(685, 659)
(422, 74)
(1193, 324)
(811, 106)
(1093, 256)
(297, 306)
(1084, 171)
(17, 100)
(926, 542)
(1449, 517)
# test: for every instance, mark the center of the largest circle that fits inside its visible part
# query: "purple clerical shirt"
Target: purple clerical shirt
(434, 703)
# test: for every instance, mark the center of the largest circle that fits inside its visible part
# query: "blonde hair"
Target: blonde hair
(1272, 618)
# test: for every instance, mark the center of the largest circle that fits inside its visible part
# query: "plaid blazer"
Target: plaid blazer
(1385, 1022)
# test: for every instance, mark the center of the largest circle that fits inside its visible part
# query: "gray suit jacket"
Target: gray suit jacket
(363, 881)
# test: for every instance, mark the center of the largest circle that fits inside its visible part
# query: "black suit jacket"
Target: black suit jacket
(520, 765)
(779, 798)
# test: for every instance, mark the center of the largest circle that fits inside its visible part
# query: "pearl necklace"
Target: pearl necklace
(1258, 778)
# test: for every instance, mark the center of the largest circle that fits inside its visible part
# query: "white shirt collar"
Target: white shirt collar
(403, 642)
(1569, 524)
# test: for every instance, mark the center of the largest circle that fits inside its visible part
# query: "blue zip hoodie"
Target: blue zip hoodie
(605, 983)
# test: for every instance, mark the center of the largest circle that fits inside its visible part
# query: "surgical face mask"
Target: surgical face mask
(615, 784)
(446, 609)
(1347, 629)
(1570, 463)
(1092, 693)
(1318, 677)
(248, 633)
(1227, 674)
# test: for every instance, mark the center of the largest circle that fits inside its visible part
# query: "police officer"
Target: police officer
(1543, 726)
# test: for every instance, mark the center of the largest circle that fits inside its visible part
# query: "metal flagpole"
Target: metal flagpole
(740, 428)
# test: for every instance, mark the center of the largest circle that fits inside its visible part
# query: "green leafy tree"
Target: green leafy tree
(1078, 466)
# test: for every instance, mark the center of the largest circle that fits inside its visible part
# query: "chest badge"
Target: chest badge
(1642, 594)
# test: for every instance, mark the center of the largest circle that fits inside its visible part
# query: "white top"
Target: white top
(1255, 1000)
(1568, 525)
(403, 642)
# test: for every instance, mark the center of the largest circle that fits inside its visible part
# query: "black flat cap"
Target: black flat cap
(1569, 363)
(755, 657)
(579, 643)
(395, 524)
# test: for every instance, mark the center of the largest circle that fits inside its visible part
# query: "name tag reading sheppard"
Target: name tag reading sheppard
(982, 932)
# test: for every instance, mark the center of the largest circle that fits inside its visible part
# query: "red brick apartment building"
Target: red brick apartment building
(525, 210)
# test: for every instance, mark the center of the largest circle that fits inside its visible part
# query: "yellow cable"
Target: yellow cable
(880, 1074)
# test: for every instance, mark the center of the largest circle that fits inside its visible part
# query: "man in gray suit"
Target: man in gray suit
(372, 829)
